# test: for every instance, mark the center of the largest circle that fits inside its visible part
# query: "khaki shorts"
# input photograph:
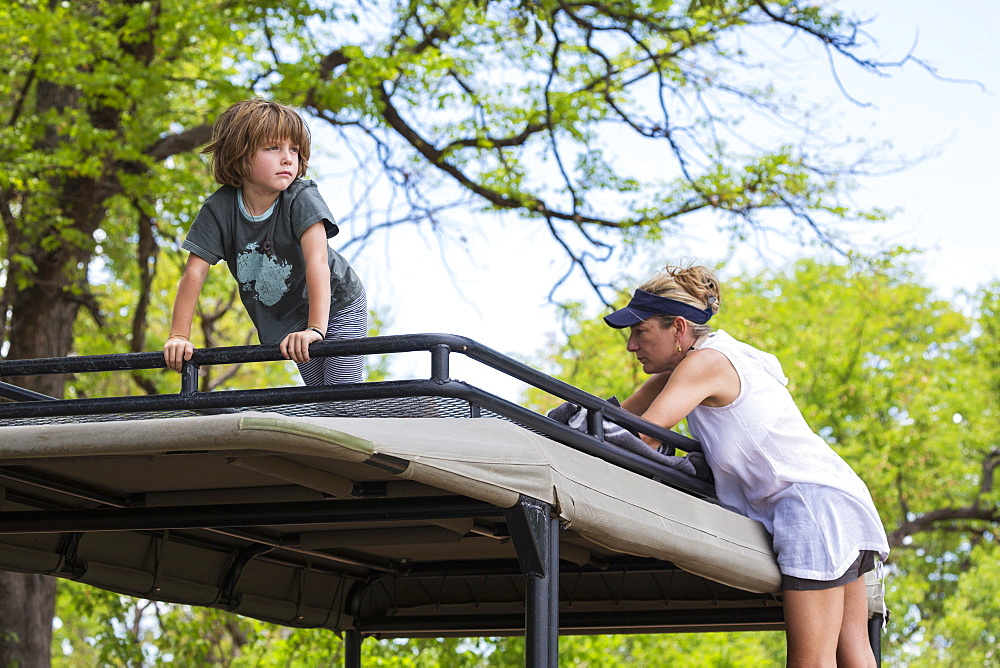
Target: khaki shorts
(864, 563)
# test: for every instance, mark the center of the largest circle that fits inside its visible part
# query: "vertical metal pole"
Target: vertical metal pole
(875, 637)
(595, 423)
(553, 576)
(533, 529)
(189, 378)
(536, 621)
(440, 363)
(352, 648)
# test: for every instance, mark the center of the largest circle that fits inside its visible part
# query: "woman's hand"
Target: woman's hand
(176, 351)
(295, 346)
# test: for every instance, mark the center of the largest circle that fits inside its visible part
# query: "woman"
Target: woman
(767, 462)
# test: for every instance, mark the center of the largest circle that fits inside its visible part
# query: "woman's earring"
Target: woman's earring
(679, 349)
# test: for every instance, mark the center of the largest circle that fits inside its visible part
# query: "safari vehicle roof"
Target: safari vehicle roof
(398, 509)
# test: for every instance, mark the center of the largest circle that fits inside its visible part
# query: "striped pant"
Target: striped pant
(350, 322)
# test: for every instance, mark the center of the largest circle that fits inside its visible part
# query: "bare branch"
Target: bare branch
(941, 519)
(29, 79)
(956, 519)
(182, 142)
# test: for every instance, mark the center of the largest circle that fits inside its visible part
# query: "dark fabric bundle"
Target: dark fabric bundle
(575, 416)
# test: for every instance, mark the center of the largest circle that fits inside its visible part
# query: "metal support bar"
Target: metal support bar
(16, 393)
(595, 424)
(875, 636)
(440, 363)
(91, 495)
(227, 597)
(366, 346)
(70, 546)
(617, 566)
(553, 583)
(352, 648)
(189, 379)
(242, 515)
(537, 652)
(667, 620)
(352, 635)
(535, 533)
(67, 489)
(527, 522)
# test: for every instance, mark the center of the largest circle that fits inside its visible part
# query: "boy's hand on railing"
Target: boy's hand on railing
(176, 351)
(295, 346)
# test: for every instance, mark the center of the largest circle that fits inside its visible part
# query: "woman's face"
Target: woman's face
(655, 346)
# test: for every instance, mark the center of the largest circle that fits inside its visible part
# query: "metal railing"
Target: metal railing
(27, 404)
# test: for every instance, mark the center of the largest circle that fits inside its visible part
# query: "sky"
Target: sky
(495, 289)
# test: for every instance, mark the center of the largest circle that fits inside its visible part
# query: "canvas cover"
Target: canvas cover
(617, 525)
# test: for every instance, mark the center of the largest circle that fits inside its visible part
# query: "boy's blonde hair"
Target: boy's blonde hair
(246, 126)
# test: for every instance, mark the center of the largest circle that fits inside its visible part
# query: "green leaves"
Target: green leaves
(541, 108)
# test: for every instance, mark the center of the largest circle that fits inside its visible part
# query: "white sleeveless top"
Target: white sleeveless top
(770, 466)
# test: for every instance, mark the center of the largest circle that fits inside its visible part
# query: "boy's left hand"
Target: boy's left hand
(295, 346)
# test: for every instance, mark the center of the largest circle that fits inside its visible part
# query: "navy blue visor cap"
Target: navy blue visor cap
(645, 305)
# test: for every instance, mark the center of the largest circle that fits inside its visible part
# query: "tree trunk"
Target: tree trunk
(42, 313)
(28, 600)
(42, 326)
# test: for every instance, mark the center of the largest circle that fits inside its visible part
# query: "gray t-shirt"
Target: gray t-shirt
(266, 258)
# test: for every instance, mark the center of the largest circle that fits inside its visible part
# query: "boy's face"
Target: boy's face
(273, 166)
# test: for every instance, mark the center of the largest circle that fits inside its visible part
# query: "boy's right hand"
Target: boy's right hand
(176, 351)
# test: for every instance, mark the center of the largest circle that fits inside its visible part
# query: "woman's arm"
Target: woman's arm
(639, 402)
(295, 346)
(178, 347)
(703, 377)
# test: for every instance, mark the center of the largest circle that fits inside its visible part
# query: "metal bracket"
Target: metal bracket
(226, 597)
(528, 522)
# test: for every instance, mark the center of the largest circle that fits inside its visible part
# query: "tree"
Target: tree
(904, 387)
(106, 101)
(962, 594)
(103, 103)
(607, 124)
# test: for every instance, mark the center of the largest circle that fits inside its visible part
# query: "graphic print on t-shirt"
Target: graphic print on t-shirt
(262, 274)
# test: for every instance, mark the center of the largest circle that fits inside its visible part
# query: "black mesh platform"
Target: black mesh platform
(398, 407)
